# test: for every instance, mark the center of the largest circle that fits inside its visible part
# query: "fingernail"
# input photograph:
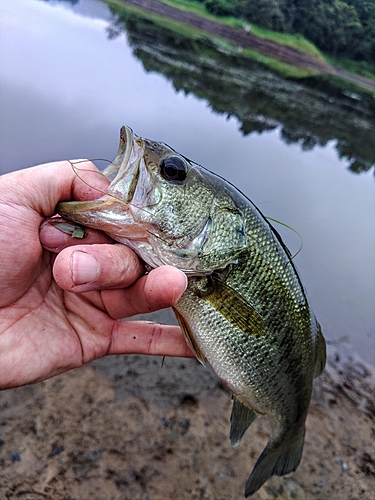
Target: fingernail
(84, 267)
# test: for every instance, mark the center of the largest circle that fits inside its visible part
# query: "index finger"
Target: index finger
(44, 186)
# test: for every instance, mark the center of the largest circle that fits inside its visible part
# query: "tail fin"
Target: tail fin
(274, 462)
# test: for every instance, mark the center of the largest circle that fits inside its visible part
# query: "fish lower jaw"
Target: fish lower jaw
(143, 249)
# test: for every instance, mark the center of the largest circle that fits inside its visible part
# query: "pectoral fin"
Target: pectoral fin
(241, 418)
(189, 337)
(234, 308)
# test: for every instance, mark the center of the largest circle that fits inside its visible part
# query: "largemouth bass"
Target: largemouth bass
(245, 310)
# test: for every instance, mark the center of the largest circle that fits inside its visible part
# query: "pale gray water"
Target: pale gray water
(66, 90)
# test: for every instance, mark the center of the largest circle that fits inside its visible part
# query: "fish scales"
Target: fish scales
(244, 310)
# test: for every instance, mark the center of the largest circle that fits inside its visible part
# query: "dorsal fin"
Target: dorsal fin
(189, 337)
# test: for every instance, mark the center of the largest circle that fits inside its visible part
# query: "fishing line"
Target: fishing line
(291, 229)
(75, 169)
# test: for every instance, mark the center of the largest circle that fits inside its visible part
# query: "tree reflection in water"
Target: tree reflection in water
(309, 111)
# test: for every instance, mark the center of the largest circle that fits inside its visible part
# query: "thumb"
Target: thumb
(43, 186)
(84, 268)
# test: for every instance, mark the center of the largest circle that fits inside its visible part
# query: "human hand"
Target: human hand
(60, 298)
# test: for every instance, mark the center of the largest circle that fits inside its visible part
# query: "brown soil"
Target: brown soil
(244, 39)
(123, 428)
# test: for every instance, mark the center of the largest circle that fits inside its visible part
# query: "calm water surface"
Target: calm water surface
(66, 89)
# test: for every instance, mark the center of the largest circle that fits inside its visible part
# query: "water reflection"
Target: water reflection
(311, 112)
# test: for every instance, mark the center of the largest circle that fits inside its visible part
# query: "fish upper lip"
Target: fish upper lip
(126, 165)
(123, 154)
(82, 206)
(82, 212)
(104, 214)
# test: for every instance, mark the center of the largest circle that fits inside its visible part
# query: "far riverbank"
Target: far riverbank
(246, 40)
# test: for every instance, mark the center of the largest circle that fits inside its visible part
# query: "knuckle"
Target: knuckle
(155, 337)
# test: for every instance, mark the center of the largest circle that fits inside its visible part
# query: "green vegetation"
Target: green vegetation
(295, 41)
(287, 70)
(119, 7)
(360, 68)
(309, 111)
(341, 28)
(284, 69)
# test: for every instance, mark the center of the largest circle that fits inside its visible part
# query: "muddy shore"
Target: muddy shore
(123, 428)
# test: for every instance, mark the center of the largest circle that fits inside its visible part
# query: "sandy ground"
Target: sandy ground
(125, 428)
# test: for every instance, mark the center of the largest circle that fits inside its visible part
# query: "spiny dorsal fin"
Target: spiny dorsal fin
(189, 337)
(241, 418)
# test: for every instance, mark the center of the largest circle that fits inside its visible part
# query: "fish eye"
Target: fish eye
(173, 169)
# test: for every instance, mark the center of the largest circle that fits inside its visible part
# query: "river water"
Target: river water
(73, 72)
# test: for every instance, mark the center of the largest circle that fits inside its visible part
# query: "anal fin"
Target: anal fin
(241, 418)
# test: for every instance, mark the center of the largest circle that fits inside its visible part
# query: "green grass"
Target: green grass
(360, 68)
(284, 69)
(287, 70)
(189, 6)
(297, 42)
(171, 24)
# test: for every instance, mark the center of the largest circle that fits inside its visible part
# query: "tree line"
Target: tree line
(342, 28)
(260, 99)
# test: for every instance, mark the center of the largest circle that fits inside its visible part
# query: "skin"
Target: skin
(61, 298)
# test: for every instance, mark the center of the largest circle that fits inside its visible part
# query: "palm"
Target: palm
(47, 326)
(40, 324)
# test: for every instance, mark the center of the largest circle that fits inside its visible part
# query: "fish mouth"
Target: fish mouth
(105, 214)
(127, 194)
(124, 171)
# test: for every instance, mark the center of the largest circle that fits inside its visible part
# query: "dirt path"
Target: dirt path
(247, 40)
